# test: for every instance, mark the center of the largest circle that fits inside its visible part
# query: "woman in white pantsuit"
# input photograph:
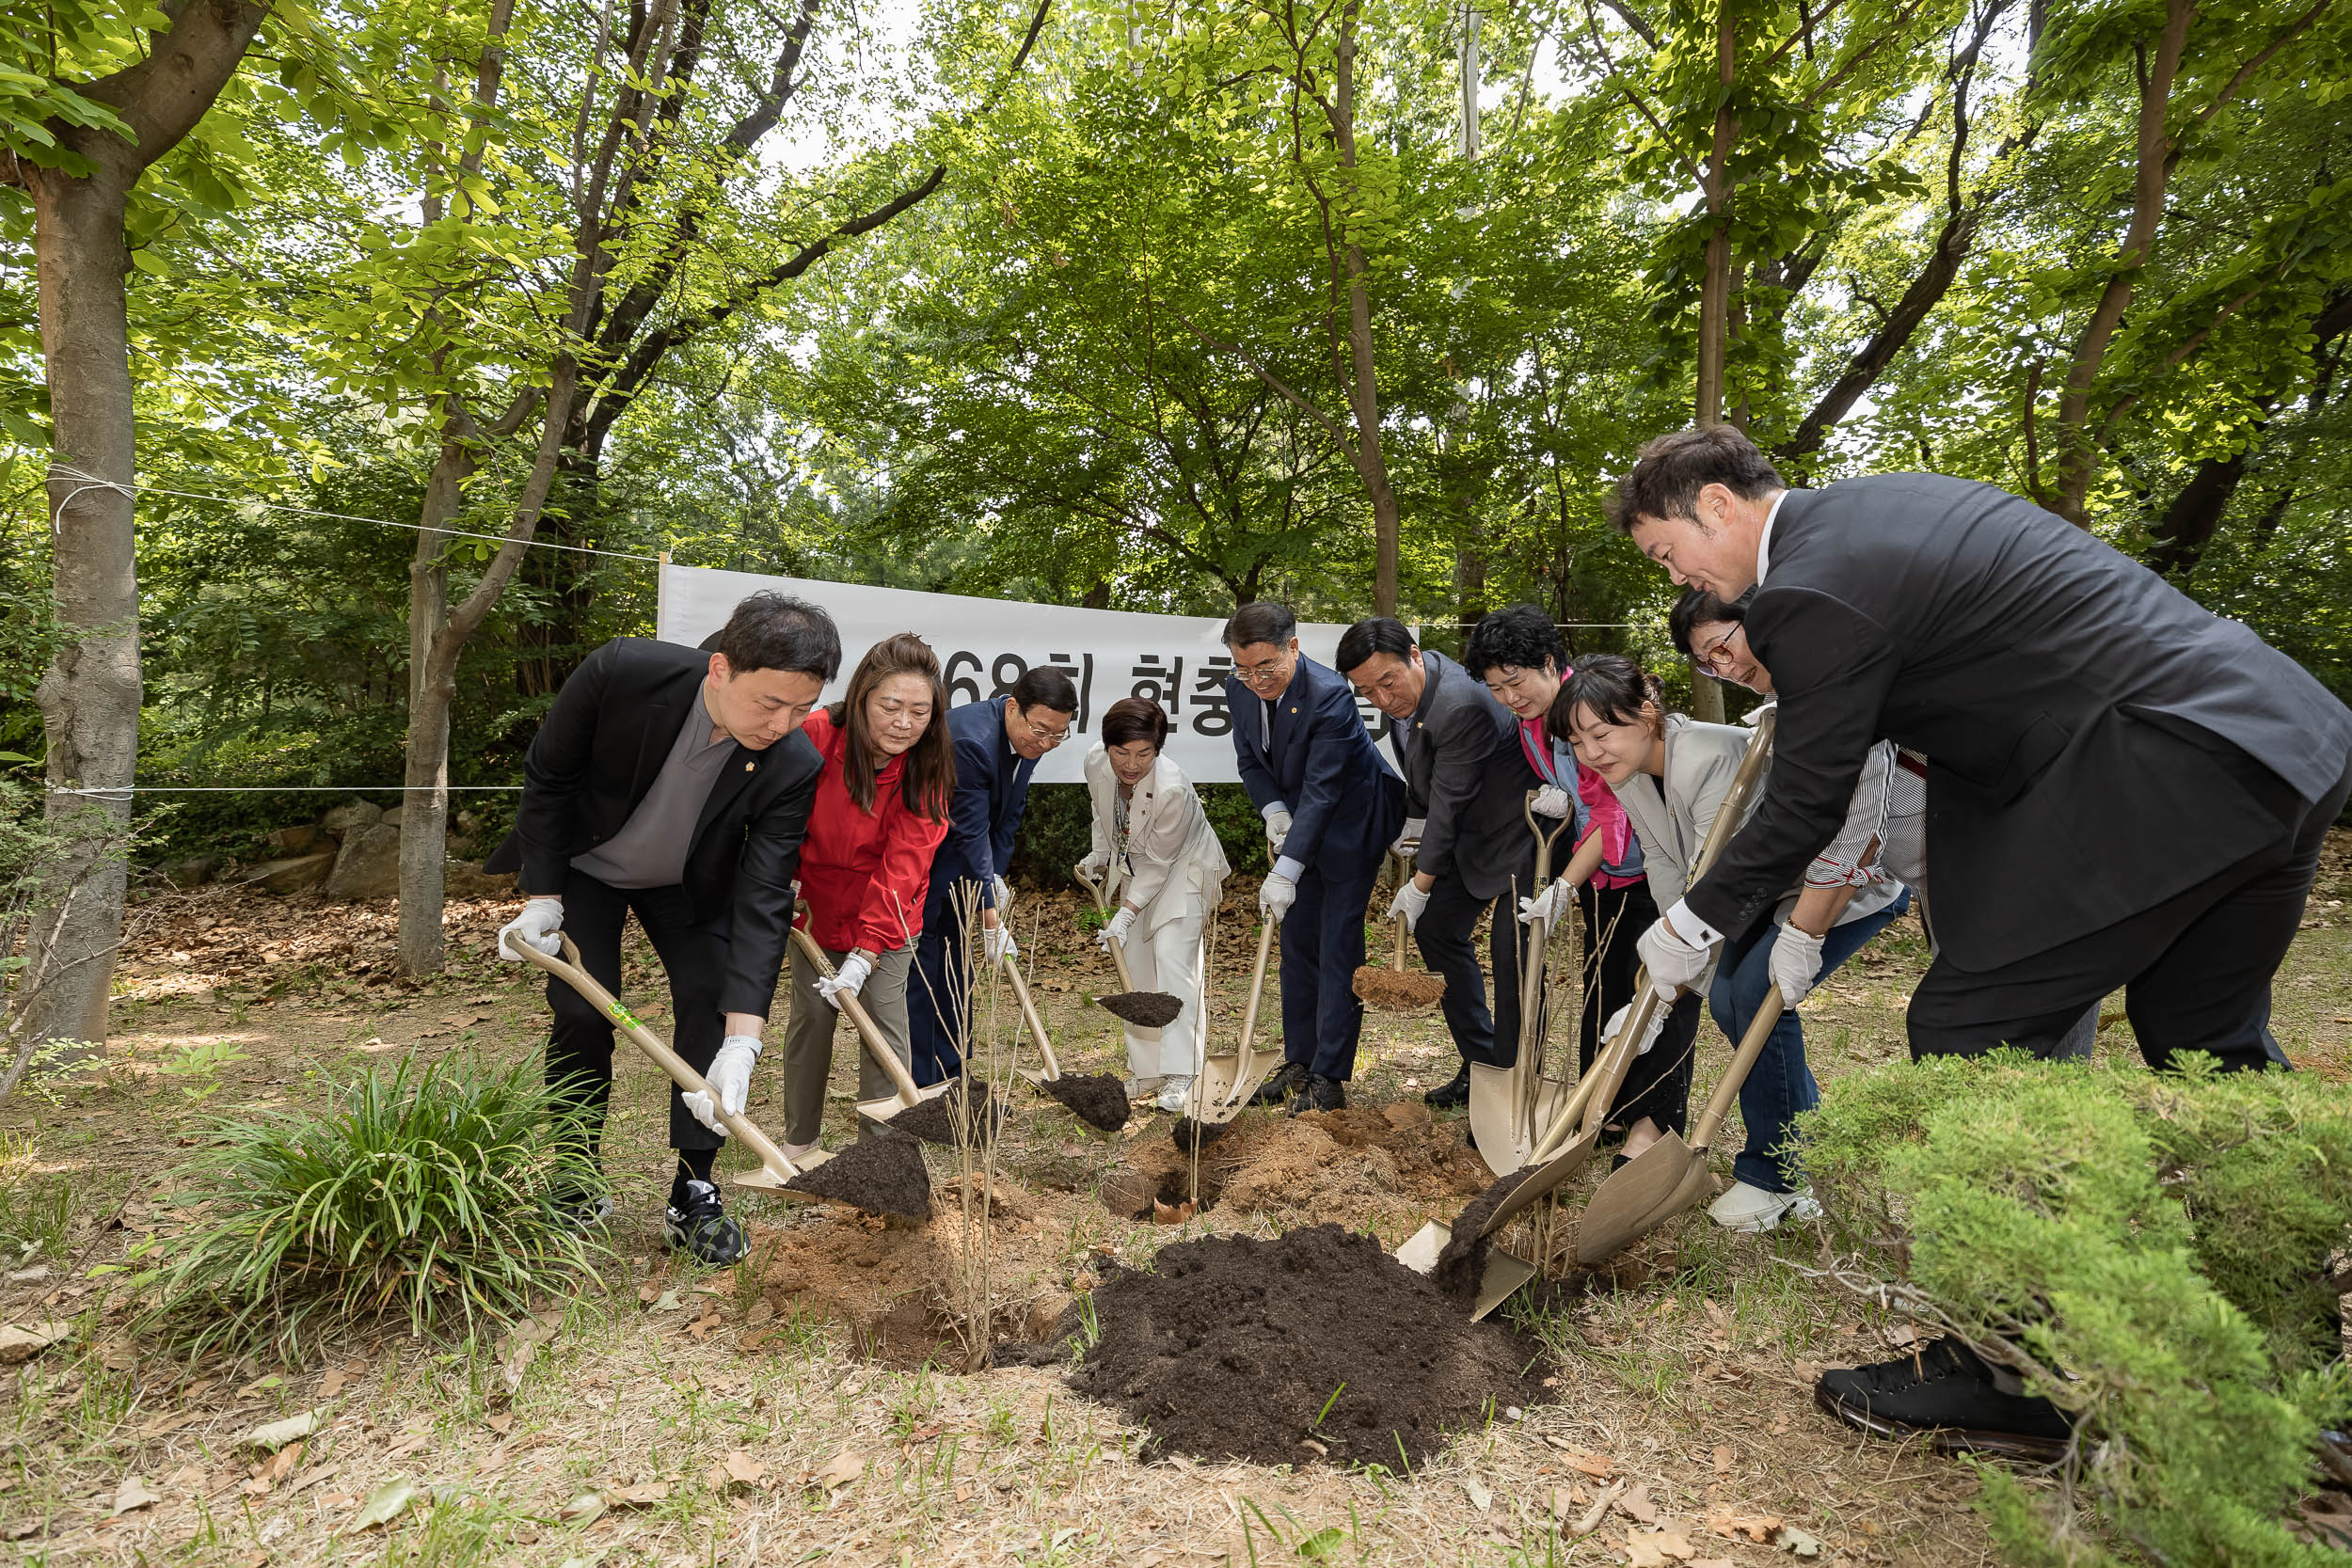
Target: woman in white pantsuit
(1156, 853)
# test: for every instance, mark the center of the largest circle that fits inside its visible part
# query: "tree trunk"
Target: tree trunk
(1364, 389)
(425, 809)
(89, 697)
(1715, 289)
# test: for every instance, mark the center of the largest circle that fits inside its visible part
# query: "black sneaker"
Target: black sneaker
(1949, 1393)
(702, 1228)
(1454, 1091)
(1320, 1094)
(582, 1210)
(1280, 1084)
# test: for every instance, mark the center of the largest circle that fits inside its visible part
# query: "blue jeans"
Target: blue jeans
(1780, 1085)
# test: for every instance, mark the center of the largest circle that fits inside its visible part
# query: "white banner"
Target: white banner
(984, 645)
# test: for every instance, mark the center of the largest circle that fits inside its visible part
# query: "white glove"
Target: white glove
(538, 924)
(848, 977)
(1549, 906)
(1091, 868)
(1796, 960)
(1275, 895)
(1408, 903)
(730, 1079)
(1278, 828)
(1649, 1035)
(1003, 896)
(1408, 842)
(1674, 963)
(1116, 930)
(996, 941)
(1551, 800)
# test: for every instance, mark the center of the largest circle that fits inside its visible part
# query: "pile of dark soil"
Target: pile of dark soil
(1398, 990)
(1097, 1099)
(881, 1173)
(946, 1119)
(1249, 1349)
(1145, 1009)
(1463, 1262)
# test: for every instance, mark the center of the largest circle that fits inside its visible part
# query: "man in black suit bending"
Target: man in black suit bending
(673, 782)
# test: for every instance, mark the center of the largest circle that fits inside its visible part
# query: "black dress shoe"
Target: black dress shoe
(1280, 1083)
(1454, 1091)
(1947, 1392)
(1320, 1094)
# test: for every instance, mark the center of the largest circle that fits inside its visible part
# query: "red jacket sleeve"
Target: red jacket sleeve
(891, 914)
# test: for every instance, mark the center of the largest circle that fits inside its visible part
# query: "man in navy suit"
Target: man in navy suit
(1331, 808)
(998, 743)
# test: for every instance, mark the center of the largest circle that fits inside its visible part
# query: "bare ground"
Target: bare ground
(706, 1416)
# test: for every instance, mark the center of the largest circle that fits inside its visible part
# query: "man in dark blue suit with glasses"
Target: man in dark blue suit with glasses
(1331, 809)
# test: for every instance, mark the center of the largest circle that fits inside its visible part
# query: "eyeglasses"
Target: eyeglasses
(1717, 655)
(1258, 674)
(1051, 738)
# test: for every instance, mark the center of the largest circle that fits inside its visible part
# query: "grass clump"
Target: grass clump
(426, 1197)
(2150, 1250)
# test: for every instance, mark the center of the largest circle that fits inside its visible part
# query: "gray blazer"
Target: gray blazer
(1465, 776)
(1671, 815)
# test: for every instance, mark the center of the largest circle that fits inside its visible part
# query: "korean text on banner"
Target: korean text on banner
(984, 645)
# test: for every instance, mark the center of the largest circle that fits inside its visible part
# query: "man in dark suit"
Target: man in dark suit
(2123, 789)
(1331, 808)
(998, 741)
(672, 782)
(1466, 784)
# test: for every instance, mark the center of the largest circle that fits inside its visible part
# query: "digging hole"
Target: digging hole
(1140, 1195)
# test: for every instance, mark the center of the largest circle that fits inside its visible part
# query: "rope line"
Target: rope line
(290, 789)
(91, 482)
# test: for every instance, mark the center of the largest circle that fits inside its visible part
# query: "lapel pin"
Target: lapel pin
(749, 766)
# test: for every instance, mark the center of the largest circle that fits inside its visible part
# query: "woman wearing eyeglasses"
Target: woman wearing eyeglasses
(1156, 853)
(880, 812)
(1849, 894)
(1517, 651)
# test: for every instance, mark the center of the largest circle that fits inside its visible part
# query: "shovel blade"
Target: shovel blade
(760, 1179)
(883, 1110)
(1226, 1082)
(1545, 1180)
(1660, 1182)
(1504, 1274)
(1504, 1119)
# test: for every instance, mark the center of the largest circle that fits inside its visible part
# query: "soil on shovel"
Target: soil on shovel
(944, 1120)
(1097, 1099)
(1398, 990)
(1235, 1347)
(1191, 1136)
(1145, 1009)
(1381, 1168)
(881, 1173)
(1463, 1262)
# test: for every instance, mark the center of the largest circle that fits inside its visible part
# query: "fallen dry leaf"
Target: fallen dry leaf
(133, 1494)
(499, 1422)
(1480, 1497)
(385, 1504)
(1656, 1548)
(639, 1496)
(332, 1383)
(1598, 1466)
(1757, 1527)
(743, 1467)
(277, 1434)
(843, 1468)
(1789, 1538)
(1723, 1457)
(585, 1508)
(1636, 1506)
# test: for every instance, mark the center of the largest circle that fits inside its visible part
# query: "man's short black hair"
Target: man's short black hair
(1260, 621)
(1699, 608)
(1520, 636)
(1046, 685)
(1375, 634)
(776, 631)
(1669, 472)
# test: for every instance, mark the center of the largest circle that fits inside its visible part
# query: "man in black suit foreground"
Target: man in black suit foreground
(673, 782)
(2123, 791)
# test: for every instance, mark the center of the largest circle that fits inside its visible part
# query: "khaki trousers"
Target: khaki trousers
(808, 1038)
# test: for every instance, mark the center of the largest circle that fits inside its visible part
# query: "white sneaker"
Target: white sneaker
(1142, 1089)
(1752, 1208)
(1175, 1094)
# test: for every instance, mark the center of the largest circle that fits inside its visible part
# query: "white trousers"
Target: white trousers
(1170, 961)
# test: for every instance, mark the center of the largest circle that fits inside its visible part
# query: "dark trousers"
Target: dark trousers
(2195, 969)
(939, 1003)
(1447, 934)
(580, 1048)
(1323, 947)
(1658, 1084)
(1615, 919)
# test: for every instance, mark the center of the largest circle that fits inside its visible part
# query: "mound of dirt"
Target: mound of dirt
(1398, 990)
(1097, 1099)
(1145, 1009)
(943, 1118)
(1369, 1167)
(1251, 1349)
(895, 1287)
(881, 1173)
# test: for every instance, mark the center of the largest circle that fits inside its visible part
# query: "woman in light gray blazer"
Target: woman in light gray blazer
(1671, 774)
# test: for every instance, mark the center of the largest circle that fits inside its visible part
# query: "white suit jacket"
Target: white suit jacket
(1174, 866)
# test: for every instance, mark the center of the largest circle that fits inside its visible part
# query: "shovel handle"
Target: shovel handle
(569, 970)
(1029, 1012)
(1257, 988)
(1118, 959)
(867, 1029)
(1743, 1063)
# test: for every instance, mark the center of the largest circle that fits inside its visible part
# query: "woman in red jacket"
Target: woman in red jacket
(880, 811)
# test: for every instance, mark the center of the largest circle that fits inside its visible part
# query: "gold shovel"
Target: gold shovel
(868, 1031)
(1508, 1104)
(1670, 1174)
(774, 1169)
(1227, 1081)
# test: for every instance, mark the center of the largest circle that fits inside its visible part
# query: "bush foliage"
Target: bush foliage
(2149, 1249)
(423, 1197)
